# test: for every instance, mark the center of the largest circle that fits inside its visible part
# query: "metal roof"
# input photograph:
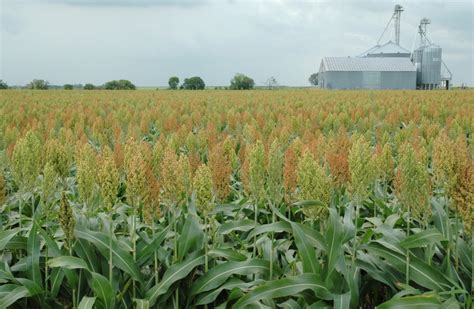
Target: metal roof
(387, 48)
(370, 64)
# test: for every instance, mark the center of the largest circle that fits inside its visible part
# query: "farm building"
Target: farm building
(389, 65)
(367, 73)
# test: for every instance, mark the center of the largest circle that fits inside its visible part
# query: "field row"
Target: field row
(268, 198)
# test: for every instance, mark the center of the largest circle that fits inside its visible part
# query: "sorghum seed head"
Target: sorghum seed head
(203, 187)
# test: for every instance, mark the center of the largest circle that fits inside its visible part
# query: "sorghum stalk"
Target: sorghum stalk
(111, 232)
(155, 259)
(274, 187)
(256, 177)
(444, 170)
(204, 188)
(362, 175)
(86, 175)
(412, 187)
(175, 257)
(26, 161)
(134, 247)
(271, 246)
(313, 184)
(407, 267)
(66, 220)
(108, 177)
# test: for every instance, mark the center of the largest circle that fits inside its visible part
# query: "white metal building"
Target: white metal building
(367, 73)
(389, 65)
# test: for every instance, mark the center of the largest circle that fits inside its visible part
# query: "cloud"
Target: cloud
(131, 3)
(78, 41)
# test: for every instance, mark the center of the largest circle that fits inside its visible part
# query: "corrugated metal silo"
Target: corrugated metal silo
(417, 60)
(431, 66)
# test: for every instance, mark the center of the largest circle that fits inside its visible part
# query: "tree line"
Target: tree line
(238, 82)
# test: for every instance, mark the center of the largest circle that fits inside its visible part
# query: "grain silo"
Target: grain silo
(432, 72)
(389, 65)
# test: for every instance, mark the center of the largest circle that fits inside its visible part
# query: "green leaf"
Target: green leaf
(121, 258)
(277, 227)
(56, 278)
(342, 301)
(242, 225)
(422, 239)
(53, 251)
(220, 273)
(86, 252)
(314, 238)
(191, 237)
(17, 243)
(174, 273)
(465, 254)
(145, 253)
(308, 203)
(33, 288)
(285, 287)
(289, 304)
(305, 250)
(33, 249)
(13, 296)
(103, 290)
(420, 272)
(86, 303)
(68, 262)
(334, 237)
(6, 236)
(141, 303)
(233, 283)
(5, 272)
(320, 305)
(228, 254)
(451, 303)
(419, 302)
(439, 219)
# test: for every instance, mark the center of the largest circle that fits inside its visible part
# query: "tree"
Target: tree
(193, 83)
(122, 84)
(68, 87)
(314, 79)
(271, 82)
(89, 87)
(38, 84)
(173, 82)
(240, 81)
(3, 85)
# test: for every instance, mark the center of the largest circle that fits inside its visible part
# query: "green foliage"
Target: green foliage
(38, 84)
(313, 184)
(203, 187)
(193, 83)
(257, 171)
(361, 168)
(121, 84)
(26, 165)
(3, 85)
(89, 87)
(68, 239)
(314, 79)
(241, 82)
(275, 173)
(173, 82)
(68, 87)
(412, 183)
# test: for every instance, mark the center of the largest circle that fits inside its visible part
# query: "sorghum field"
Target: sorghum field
(265, 199)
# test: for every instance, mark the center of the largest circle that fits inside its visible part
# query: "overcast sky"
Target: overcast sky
(147, 41)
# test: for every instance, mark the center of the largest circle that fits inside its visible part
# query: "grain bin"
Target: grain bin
(417, 59)
(431, 66)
